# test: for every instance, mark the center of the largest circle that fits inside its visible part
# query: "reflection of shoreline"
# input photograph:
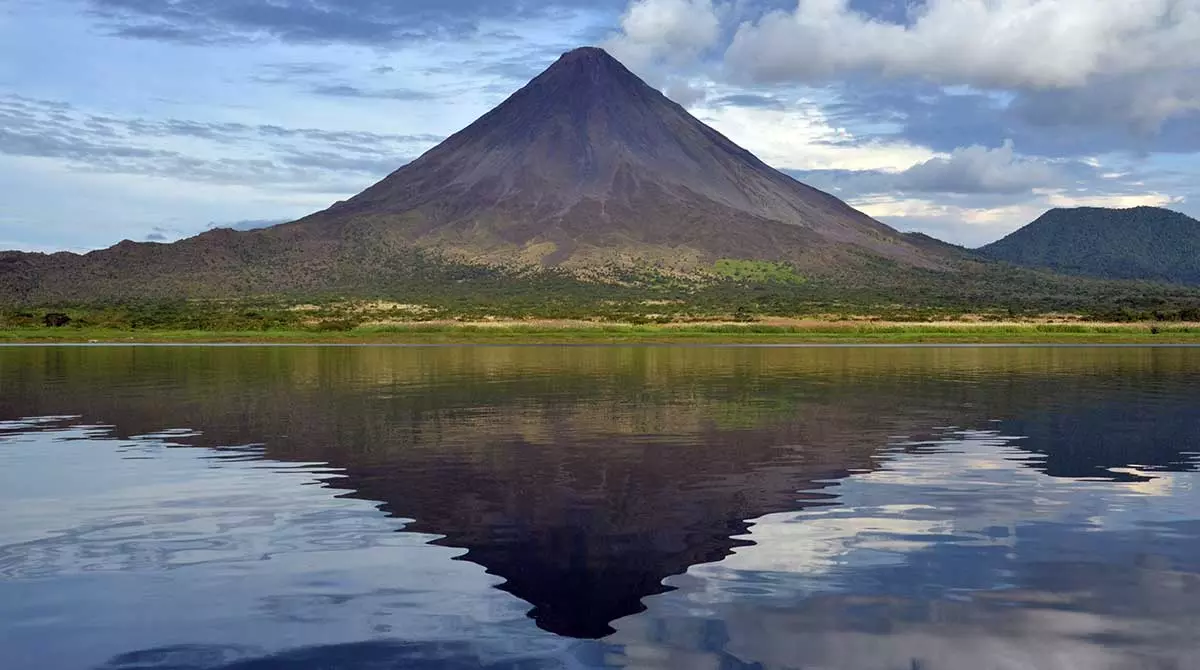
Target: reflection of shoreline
(399, 366)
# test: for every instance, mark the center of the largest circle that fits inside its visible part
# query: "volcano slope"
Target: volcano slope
(586, 168)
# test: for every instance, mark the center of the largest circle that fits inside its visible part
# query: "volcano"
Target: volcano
(587, 166)
(589, 163)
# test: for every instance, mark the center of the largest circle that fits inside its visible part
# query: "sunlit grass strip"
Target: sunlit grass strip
(615, 332)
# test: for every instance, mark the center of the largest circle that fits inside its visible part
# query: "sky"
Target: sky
(154, 120)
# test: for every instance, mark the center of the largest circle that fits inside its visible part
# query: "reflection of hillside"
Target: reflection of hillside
(583, 476)
(649, 367)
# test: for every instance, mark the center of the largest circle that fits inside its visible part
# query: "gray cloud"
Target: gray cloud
(515, 64)
(977, 169)
(684, 92)
(164, 234)
(1144, 102)
(349, 91)
(371, 22)
(673, 31)
(1044, 123)
(973, 170)
(1135, 64)
(287, 73)
(302, 158)
(750, 100)
(1040, 45)
(330, 80)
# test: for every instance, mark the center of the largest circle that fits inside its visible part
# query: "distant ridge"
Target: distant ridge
(1148, 243)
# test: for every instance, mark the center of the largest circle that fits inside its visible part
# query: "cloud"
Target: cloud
(165, 234)
(799, 136)
(977, 169)
(1145, 102)
(369, 22)
(287, 73)
(217, 152)
(1001, 43)
(328, 80)
(348, 91)
(674, 31)
(750, 100)
(973, 170)
(1138, 56)
(685, 92)
(1062, 124)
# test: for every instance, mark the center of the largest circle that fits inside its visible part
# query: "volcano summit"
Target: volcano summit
(586, 166)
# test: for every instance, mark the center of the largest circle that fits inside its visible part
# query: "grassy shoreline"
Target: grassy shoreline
(582, 332)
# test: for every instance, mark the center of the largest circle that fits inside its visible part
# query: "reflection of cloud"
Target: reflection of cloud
(818, 540)
(956, 556)
(131, 531)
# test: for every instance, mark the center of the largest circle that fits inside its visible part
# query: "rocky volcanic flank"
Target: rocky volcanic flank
(586, 165)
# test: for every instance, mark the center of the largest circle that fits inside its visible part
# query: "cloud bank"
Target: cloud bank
(1139, 59)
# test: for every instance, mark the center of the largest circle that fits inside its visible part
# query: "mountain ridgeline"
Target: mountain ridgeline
(1147, 243)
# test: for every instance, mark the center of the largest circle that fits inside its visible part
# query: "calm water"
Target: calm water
(572, 507)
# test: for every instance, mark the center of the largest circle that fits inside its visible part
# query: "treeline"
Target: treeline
(737, 290)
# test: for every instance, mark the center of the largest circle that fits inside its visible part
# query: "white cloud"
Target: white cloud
(800, 137)
(978, 169)
(1122, 201)
(665, 30)
(1007, 43)
(1137, 60)
(684, 92)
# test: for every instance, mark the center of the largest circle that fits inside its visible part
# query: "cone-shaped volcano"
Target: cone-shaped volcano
(586, 167)
(589, 163)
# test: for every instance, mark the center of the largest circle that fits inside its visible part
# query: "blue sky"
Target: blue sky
(156, 119)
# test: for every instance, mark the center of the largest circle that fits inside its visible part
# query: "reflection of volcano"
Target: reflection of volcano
(582, 477)
(584, 530)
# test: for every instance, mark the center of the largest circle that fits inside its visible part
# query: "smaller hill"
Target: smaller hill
(1148, 243)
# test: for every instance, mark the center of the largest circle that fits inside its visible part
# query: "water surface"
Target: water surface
(642, 507)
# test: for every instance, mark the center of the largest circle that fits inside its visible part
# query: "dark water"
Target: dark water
(208, 507)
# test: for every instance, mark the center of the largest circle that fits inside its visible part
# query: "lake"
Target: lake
(890, 508)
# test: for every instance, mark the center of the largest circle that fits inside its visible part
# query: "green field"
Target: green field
(900, 333)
